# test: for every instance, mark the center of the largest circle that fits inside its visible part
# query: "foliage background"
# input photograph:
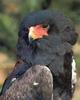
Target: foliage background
(11, 14)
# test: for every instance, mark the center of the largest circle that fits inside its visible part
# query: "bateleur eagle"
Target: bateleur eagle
(46, 38)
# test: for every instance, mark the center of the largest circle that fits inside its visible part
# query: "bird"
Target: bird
(46, 38)
(31, 86)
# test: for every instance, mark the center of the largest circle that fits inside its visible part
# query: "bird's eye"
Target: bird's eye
(45, 26)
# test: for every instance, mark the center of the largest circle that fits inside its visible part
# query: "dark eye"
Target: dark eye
(45, 26)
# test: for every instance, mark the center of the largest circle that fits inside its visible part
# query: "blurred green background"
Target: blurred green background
(11, 14)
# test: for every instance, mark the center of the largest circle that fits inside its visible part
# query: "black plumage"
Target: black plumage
(52, 50)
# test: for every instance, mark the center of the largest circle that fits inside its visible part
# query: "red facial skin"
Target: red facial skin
(37, 32)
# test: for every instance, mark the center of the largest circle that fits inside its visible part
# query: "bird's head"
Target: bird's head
(38, 27)
(45, 30)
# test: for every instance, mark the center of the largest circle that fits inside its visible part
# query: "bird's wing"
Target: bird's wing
(31, 86)
(19, 70)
